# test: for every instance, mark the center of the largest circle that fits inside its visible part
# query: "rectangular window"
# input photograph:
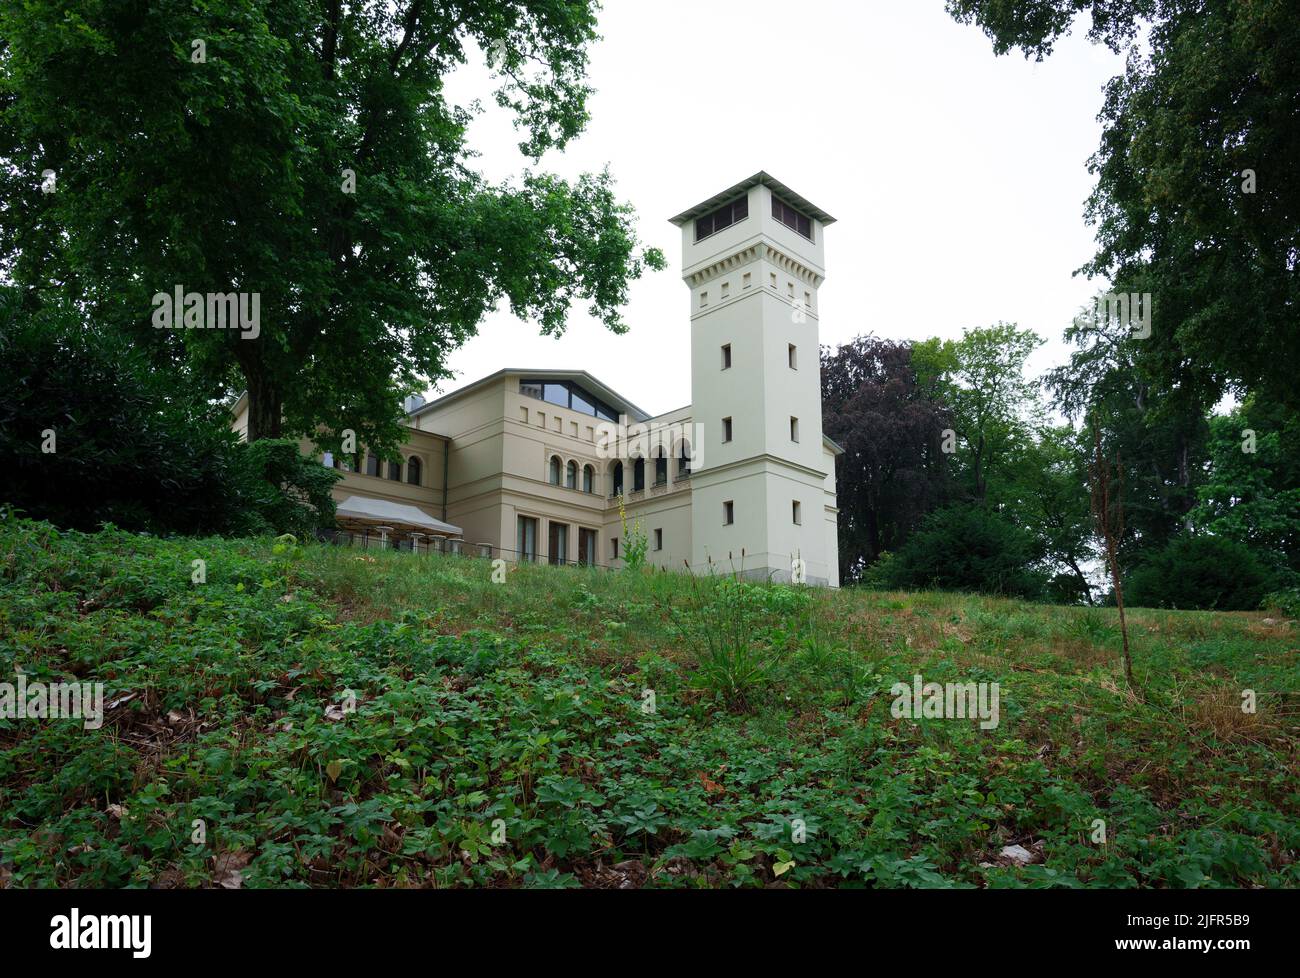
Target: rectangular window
(722, 218)
(797, 518)
(728, 513)
(526, 541)
(794, 429)
(791, 218)
(704, 300)
(726, 356)
(559, 543)
(659, 539)
(746, 281)
(793, 353)
(586, 546)
(773, 277)
(726, 287)
(613, 547)
(726, 429)
(807, 300)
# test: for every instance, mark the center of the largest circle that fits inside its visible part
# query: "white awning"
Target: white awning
(363, 509)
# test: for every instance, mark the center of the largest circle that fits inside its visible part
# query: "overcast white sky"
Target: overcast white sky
(958, 178)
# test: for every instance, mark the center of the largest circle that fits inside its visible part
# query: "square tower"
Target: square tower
(752, 258)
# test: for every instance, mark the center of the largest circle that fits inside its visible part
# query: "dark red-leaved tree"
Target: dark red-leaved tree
(893, 471)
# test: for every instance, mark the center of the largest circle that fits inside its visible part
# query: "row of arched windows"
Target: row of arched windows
(389, 470)
(566, 475)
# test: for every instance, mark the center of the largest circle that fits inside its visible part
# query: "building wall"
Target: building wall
(753, 287)
(427, 447)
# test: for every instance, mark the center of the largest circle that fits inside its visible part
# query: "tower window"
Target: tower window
(728, 513)
(794, 429)
(726, 429)
(798, 518)
(793, 353)
(726, 356)
(722, 218)
(791, 218)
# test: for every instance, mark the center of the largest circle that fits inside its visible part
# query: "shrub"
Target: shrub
(1199, 572)
(968, 548)
(282, 491)
(1286, 601)
(93, 432)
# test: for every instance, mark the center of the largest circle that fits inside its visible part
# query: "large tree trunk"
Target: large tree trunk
(265, 409)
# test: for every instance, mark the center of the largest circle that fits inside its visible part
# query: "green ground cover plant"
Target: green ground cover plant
(337, 718)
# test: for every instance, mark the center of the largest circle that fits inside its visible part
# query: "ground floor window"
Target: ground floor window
(559, 543)
(526, 544)
(586, 546)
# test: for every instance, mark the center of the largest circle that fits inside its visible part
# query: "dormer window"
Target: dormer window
(791, 218)
(722, 218)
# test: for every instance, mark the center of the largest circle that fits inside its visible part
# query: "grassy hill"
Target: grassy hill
(768, 754)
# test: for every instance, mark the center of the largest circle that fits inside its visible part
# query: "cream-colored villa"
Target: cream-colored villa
(531, 464)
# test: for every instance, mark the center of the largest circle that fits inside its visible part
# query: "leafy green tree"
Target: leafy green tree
(1156, 430)
(307, 152)
(995, 407)
(1196, 199)
(1044, 489)
(1251, 494)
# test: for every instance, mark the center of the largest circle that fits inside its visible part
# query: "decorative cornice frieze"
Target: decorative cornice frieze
(758, 251)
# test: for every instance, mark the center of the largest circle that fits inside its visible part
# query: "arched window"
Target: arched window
(413, 470)
(661, 467)
(555, 470)
(618, 478)
(684, 459)
(638, 475)
(372, 463)
(395, 471)
(588, 479)
(571, 475)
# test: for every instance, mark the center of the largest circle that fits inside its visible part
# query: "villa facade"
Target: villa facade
(532, 464)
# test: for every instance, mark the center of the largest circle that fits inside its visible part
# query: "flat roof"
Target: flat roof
(765, 178)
